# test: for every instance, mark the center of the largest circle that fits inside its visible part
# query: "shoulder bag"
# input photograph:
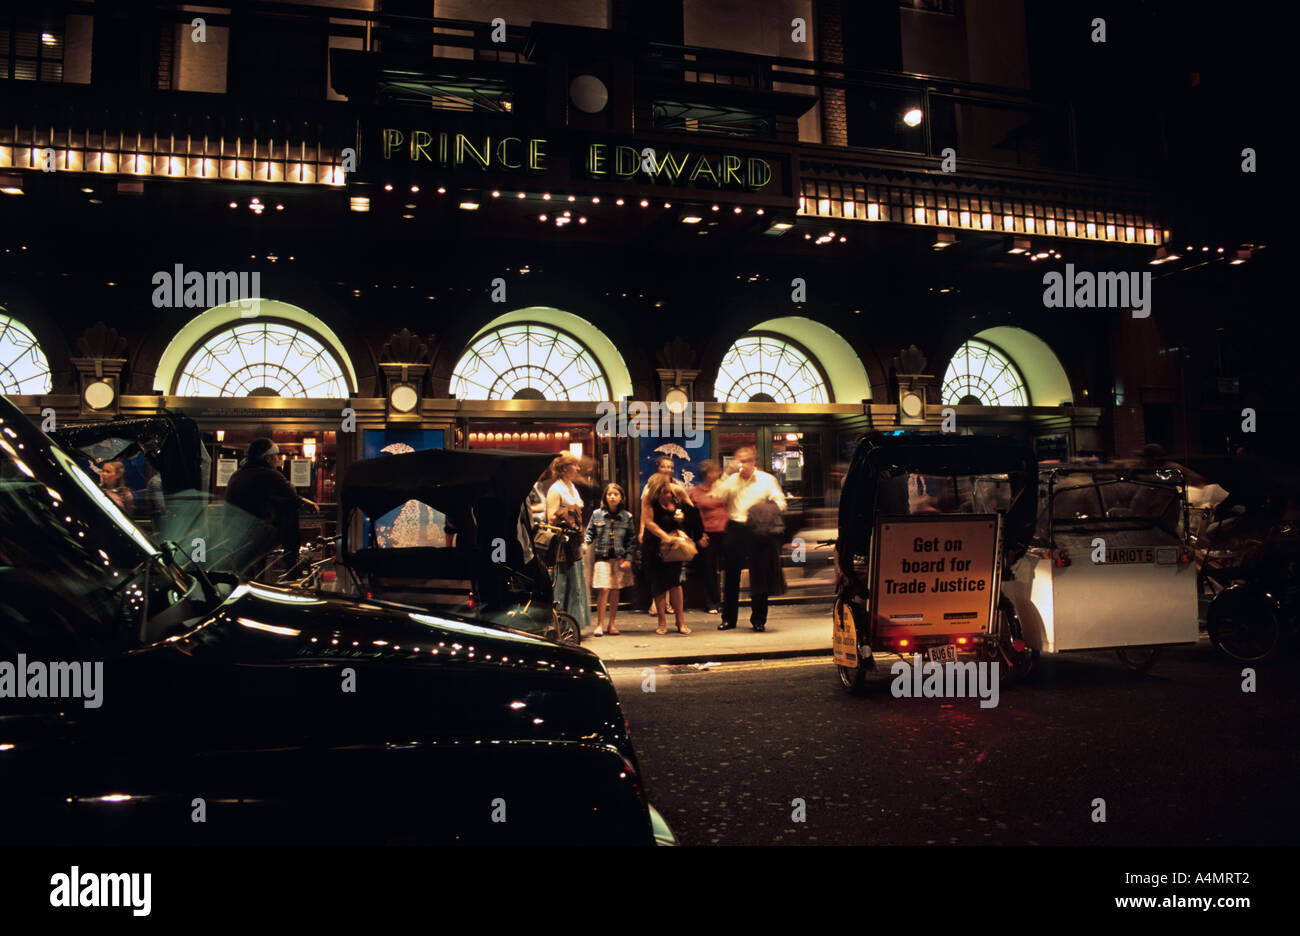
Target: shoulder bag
(679, 548)
(547, 541)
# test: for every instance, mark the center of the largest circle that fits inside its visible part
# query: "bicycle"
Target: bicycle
(562, 626)
(1249, 586)
(308, 572)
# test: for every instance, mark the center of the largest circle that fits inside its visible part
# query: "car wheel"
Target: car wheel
(852, 678)
(1244, 623)
(1139, 659)
(566, 628)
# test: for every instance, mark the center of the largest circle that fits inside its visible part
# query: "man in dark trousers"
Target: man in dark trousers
(749, 545)
(260, 489)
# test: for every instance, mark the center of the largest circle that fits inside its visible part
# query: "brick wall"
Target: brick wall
(830, 48)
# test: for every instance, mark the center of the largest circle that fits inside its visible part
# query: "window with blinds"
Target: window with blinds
(30, 51)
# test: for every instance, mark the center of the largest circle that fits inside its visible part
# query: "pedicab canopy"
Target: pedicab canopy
(877, 482)
(170, 442)
(478, 491)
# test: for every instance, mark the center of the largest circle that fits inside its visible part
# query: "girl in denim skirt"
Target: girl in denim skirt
(609, 531)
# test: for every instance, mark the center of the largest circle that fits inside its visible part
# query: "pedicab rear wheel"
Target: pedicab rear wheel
(1244, 623)
(852, 678)
(1138, 659)
(567, 629)
(1019, 662)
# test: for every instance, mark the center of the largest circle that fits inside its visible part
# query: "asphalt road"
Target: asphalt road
(1180, 755)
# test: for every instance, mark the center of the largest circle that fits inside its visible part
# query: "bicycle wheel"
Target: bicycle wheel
(566, 628)
(852, 678)
(1244, 623)
(1016, 655)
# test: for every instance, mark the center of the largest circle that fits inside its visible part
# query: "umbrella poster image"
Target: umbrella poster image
(686, 461)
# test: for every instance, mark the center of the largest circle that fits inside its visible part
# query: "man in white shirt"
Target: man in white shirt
(743, 487)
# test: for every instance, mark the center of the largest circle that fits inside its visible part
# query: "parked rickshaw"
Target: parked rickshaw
(929, 525)
(448, 530)
(1247, 545)
(1110, 566)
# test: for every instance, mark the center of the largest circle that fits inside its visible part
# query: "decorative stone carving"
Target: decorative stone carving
(910, 360)
(677, 355)
(100, 341)
(405, 348)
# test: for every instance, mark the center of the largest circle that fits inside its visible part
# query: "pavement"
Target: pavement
(800, 629)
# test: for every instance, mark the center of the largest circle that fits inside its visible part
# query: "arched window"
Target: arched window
(766, 369)
(528, 361)
(979, 374)
(23, 366)
(262, 358)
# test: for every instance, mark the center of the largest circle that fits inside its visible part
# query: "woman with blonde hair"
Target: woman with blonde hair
(670, 513)
(112, 478)
(564, 509)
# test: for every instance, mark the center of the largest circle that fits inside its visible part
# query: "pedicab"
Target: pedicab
(447, 530)
(929, 526)
(1110, 566)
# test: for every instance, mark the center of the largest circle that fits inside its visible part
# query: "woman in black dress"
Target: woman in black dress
(670, 511)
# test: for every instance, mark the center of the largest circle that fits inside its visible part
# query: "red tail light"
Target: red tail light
(1060, 558)
(1184, 556)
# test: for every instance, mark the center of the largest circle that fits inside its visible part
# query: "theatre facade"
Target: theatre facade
(583, 223)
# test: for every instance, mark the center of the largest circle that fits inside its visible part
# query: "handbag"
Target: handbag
(678, 549)
(547, 540)
(765, 519)
(571, 551)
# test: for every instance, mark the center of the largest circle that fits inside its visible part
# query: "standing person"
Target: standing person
(155, 502)
(713, 515)
(663, 467)
(260, 489)
(669, 513)
(590, 491)
(744, 488)
(564, 508)
(112, 479)
(609, 533)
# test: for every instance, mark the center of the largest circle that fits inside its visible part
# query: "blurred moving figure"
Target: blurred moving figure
(752, 542)
(260, 489)
(564, 508)
(713, 514)
(671, 514)
(111, 479)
